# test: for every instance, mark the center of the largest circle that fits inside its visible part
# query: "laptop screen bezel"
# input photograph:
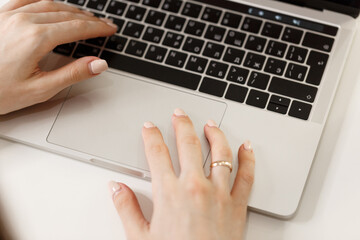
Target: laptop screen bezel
(352, 8)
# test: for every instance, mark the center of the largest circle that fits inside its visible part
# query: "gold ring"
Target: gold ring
(221, 163)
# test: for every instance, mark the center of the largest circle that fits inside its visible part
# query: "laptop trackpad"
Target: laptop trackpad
(104, 116)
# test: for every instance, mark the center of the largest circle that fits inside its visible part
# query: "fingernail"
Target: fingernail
(247, 145)
(179, 112)
(148, 125)
(211, 123)
(109, 22)
(98, 66)
(114, 188)
(87, 13)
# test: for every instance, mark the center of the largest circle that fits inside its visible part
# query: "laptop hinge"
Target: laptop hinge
(321, 5)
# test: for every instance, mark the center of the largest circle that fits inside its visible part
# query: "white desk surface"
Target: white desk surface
(44, 196)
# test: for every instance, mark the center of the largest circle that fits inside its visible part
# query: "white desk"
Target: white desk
(48, 197)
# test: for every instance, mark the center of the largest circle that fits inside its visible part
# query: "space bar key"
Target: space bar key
(151, 70)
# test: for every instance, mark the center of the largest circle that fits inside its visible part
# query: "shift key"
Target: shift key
(293, 89)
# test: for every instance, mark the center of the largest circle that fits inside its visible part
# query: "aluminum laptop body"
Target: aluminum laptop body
(99, 121)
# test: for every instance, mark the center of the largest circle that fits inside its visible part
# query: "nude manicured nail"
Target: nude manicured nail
(211, 123)
(148, 125)
(179, 112)
(114, 188)
(98, 66)
(247, 145)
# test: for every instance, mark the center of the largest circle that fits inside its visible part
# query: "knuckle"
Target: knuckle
(74, 75)
(79, 23)
(224, 152)
(191, 140)
(247, 178)
(158, 148)
(19, 17)
(196, 186)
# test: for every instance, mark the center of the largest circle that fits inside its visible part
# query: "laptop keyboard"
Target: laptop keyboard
(225, 49)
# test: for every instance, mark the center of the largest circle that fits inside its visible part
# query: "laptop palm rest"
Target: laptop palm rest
(104, 116)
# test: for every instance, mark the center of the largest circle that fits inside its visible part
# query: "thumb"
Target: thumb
(74, 72)
(128, 208)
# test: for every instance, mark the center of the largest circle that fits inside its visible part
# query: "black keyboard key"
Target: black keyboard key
(136, 48)
(237, 75)
(277, 108)
(233, 55)
(255, 61)
(156, 53)
(255, 43)
(251, 25)
(293, 89)
(152, 3)
(119, 22)
(96, 4)
(116, 43)
(133, 29)
(271, 30)
(257, 98)
(175, 23)
(191, 10)
(196, 64)
(235, 38)
(275, 66)
(258, 80)
(296, 72)
(213, 50)
(135, 1)
(278, 100)
(292, 35)
(296, 54)
(195, 28)
(153, 34)
(231, 20)
(217, 69)
(172, 5)
(318, 42)
(276, 49)
(77, 2)
(65, 49)
(136, 13)
(211, 15)
(176, 59)
(193, 45)
(155, 18)
(152, 70)
(236, 93)
(85, 50)
(300, 110)
(213, 87)
(317, 62)
(215, 33)
(99, 41)
(173, 40)
(117, 8)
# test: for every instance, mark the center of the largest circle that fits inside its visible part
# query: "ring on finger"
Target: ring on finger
(221, 163)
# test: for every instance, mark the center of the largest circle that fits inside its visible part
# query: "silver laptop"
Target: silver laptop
(264, 70)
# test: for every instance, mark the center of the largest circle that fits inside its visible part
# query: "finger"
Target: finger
(129, 210)
(62, 16)
(14, 4)
(78, 29)
(245, 175)
(50, 83)
(157, 155)
(188, 144)
(220, 151)
(46, 6)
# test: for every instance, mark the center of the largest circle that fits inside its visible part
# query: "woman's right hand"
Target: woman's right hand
(30, 29)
